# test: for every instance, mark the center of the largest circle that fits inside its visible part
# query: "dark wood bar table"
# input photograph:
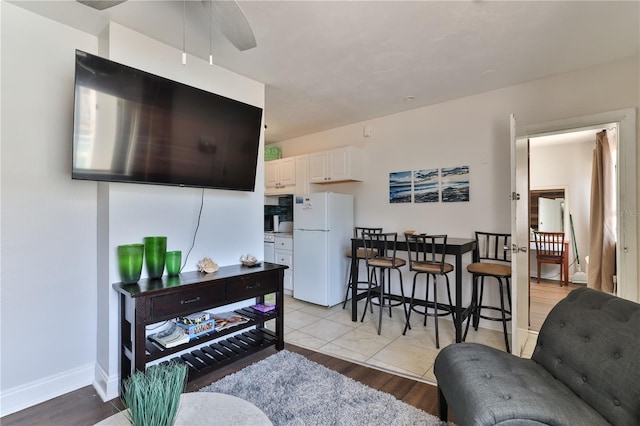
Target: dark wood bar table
(455, 246)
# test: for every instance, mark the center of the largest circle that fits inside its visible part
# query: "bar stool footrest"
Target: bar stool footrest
(387, 301)
(431, 314)
(506, 312)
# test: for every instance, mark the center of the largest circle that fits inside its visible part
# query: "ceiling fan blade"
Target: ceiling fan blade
(232, 23)
(101, 4)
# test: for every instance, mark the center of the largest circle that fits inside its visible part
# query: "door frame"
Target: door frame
(626, 199)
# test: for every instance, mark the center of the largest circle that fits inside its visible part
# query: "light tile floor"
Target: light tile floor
(331, 331)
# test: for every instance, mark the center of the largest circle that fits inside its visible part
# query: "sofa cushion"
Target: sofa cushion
(486, 386)
(590, 341)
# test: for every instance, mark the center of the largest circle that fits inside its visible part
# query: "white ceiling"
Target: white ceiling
(331, 63)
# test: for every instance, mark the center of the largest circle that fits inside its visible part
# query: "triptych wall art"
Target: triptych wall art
(448, 184)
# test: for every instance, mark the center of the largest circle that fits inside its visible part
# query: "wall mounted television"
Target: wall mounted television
(133, 126)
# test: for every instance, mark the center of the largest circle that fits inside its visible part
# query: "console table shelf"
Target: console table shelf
(153, 300)
(223, 352)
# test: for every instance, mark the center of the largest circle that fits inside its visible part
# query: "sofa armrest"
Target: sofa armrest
(590, 341)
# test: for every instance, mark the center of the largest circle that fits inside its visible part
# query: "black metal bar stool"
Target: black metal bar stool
(360, 255)
(492, 259)
(378, 291)
(427, 256)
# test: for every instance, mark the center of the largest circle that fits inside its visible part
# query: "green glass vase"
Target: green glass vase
(130, 262)
(174, 260)
(155, 250)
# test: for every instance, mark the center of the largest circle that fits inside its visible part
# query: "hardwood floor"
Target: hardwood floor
(544, 297)
(85, 407)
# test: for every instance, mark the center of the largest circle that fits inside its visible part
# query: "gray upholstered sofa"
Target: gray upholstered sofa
(585, 370)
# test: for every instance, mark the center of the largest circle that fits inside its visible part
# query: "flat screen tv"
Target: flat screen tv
(132, 126)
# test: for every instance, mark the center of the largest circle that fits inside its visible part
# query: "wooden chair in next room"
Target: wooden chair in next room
(550, 250)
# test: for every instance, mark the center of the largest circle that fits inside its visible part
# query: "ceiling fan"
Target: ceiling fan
(227, 15)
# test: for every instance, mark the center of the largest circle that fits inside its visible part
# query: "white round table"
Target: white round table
(207, 408)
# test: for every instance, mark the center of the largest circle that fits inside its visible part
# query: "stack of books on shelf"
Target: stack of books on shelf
(197, 324)
(171, 336)
(183, 329)
(264, 308)
(226, 320)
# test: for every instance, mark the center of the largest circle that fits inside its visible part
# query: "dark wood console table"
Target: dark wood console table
(154, 300)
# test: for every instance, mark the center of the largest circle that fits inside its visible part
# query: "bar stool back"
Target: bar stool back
(378, 291)
(492, 259)
(427, 256)
(360, 255)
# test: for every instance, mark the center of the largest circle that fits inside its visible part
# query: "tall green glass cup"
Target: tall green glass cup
(130, 262)
(155, 250)
(174, 260)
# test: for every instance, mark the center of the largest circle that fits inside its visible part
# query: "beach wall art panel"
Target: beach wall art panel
(400, 187)
(426, 187)
(454, 184)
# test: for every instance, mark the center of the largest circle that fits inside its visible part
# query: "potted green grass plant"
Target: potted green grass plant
(153, 396)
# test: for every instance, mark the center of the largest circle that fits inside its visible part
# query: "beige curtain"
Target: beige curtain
(602, 245)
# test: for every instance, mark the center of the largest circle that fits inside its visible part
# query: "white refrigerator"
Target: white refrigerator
(322, 232)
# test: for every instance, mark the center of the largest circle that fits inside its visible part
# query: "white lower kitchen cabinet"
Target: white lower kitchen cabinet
(284, 256)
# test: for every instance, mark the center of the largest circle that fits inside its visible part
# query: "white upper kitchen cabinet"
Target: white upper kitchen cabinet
(302, 174)
(336, 165)
(280, 176)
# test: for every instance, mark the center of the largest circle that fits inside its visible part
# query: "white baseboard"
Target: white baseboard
(530, 344)
(523, 335)
(108, 387)
(30, 394)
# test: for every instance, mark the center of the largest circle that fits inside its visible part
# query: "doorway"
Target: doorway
(626, 253)
(560, 167)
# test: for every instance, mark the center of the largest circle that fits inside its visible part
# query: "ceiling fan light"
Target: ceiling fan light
(232, 22)
(184, 30)
(101, 4)
(210, 32)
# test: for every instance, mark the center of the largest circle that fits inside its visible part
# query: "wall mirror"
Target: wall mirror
(547, 208)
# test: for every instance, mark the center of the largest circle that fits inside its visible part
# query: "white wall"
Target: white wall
(59, 236)
(48, 276)
(471, 131)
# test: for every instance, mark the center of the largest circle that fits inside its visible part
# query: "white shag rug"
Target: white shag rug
(291, 390)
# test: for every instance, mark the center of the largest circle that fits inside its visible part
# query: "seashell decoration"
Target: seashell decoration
(207, 265)
(248, 260)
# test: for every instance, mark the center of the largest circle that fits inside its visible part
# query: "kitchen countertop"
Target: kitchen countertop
(280, 234)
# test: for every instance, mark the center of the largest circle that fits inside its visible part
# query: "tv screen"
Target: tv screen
(132, 126)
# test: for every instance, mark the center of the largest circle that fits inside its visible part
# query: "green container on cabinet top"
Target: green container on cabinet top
(272, 153)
